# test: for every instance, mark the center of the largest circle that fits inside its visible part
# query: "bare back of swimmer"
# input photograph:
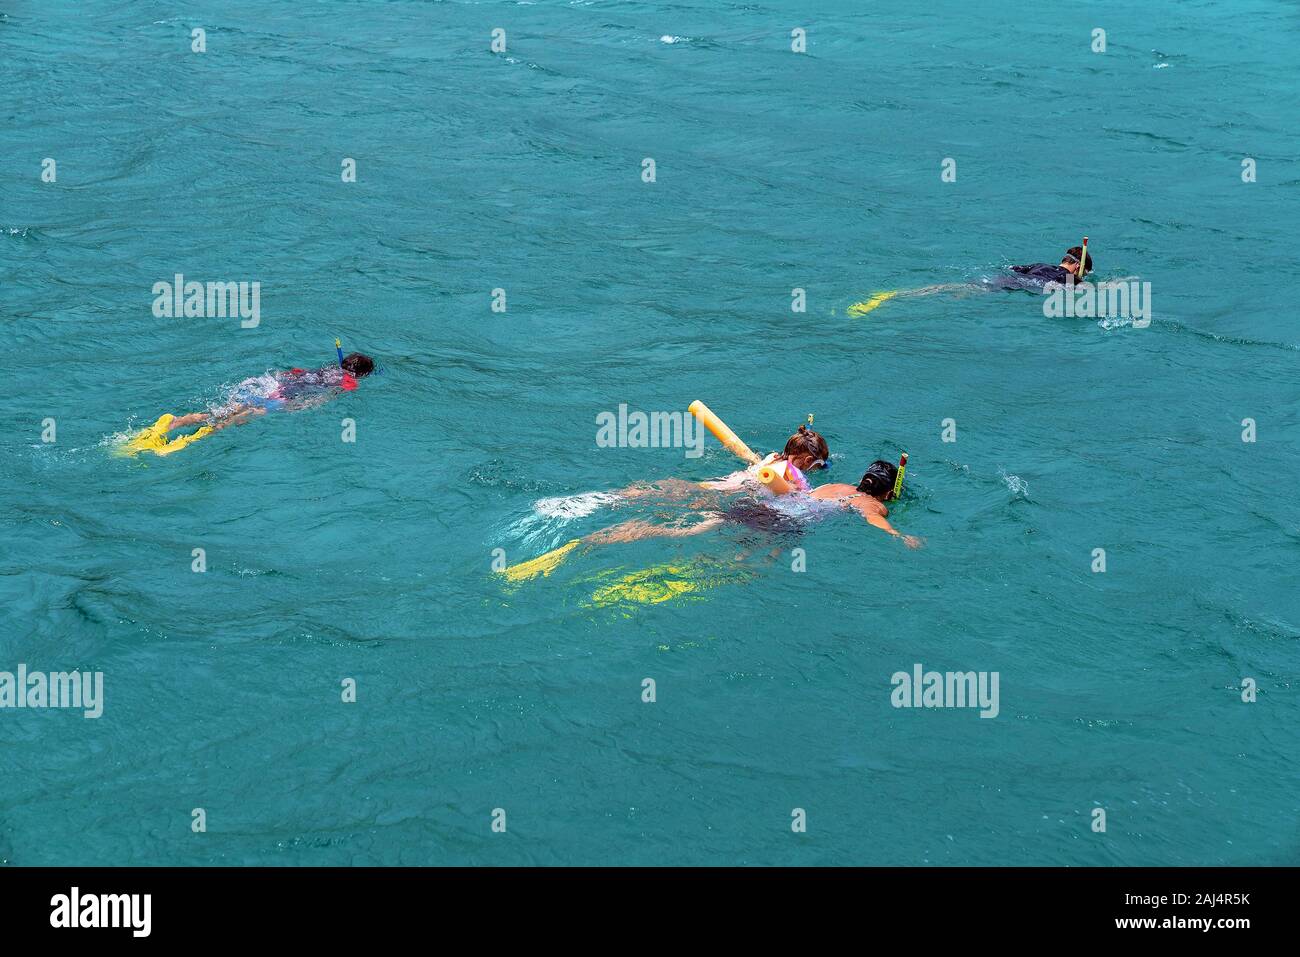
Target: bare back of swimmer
(868, 497)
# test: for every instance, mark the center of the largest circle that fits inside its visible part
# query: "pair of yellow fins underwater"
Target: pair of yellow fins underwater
(649, 586)
(154, 439)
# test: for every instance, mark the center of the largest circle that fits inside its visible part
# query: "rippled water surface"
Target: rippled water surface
(522, 171)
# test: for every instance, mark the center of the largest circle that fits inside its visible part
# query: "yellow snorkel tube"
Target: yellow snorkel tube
(1083, 260)
(898, 479)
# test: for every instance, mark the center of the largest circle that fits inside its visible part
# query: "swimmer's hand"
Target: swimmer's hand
(911, 541)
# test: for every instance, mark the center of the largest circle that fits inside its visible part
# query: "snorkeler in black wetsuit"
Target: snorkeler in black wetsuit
(1031, 278)
(1035, 277)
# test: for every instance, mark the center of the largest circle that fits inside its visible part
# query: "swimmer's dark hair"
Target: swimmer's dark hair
(1074, 252)
(807, 442)
(878, 480)
(358, 364)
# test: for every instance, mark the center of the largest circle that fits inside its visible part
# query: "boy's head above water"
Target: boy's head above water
(358, 364)
(806, 450)
(878, 480)
(1071, 259)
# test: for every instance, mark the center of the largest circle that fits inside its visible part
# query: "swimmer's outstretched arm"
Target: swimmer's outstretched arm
(911, 541)
(874, 512)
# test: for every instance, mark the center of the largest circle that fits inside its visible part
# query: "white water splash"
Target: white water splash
(1015, 483)
(574, 506)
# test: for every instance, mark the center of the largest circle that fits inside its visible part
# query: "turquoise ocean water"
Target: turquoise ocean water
(522, 171)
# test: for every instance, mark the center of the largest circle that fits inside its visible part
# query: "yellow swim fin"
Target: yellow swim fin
(542, 564)
(877, 300)
(178, 443)
(154, 439)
